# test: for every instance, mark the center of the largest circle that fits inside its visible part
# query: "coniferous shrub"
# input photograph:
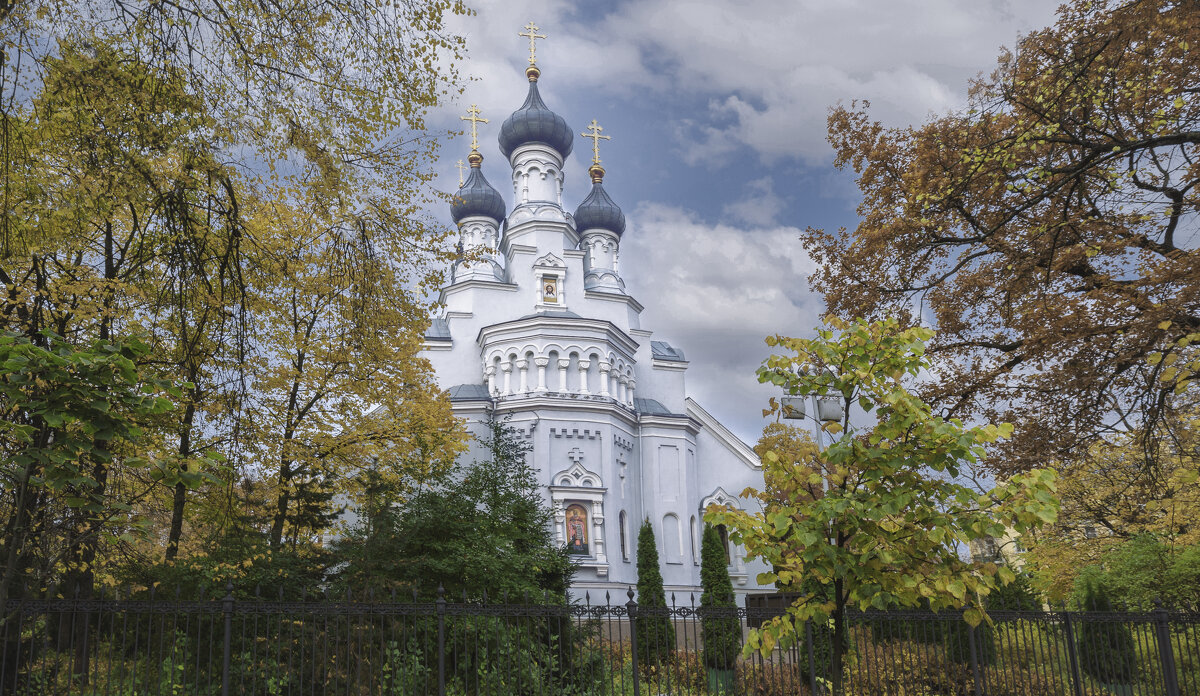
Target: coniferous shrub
(1018, 595)
(655, 632)
(958, 643)
(722, 631)
(1106, 649)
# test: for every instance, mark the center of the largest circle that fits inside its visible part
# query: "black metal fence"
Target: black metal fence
(117, 645)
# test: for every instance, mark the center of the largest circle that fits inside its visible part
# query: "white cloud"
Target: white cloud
(759, 207)
(716, 291)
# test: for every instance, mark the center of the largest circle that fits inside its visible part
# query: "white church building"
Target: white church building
(538, 325)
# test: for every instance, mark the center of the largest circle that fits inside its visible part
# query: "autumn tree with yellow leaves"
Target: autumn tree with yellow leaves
(1043, 230)
(239, 186)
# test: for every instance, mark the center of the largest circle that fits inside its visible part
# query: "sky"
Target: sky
(718, 157)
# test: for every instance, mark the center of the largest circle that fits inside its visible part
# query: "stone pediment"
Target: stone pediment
(575, 476)
(549, 261)
(719, 497)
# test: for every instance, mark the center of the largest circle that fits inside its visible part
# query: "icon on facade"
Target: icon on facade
(577, 540)
(550, 290)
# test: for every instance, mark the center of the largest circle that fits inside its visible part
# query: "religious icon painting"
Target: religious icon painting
(577, 539)
(549, 289)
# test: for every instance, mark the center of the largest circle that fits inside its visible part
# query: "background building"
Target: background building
(538, 326)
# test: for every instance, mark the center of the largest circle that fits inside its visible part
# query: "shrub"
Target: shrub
(721, 628)
(958, 643)
(655, 632)
(1017, 595)
(1106, 649)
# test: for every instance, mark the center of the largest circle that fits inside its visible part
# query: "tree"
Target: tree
(655, 631)
(721, 628)
(1118, 491)
(242, 184)
(480, 528)
(1040, 230)
(73, 422)
(886, 529)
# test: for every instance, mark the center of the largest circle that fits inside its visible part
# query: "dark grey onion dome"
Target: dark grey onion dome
(477, 197)
(534, 123)
(598, 211)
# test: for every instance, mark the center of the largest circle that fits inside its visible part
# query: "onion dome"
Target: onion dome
(477, 197)
(598, 211)
(535, 123)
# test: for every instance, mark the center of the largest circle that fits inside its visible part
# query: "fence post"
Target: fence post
(227, 611)
(1166, 656)
(812, 660)
(971, 648)
(1072, 654)
(441, 649)
(632, 608)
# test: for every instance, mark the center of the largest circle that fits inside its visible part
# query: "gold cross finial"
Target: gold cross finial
(531, 32)
(473, 117)
(594, 133)
(461, 167)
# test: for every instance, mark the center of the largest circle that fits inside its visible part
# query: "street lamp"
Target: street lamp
(826, 409)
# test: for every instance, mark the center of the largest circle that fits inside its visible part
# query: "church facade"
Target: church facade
(537, 326)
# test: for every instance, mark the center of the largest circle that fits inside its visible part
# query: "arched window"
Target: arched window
(672, 539)
(624, 537)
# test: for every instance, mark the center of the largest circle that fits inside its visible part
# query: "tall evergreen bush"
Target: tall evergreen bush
(720, 626)
(655, 632)
(1106, 649)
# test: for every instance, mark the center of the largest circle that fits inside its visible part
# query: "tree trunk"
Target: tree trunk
(180, 496)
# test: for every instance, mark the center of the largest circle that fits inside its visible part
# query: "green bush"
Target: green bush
(958, 643)
(1106, 648)
(655, 632)
(1018, 595)
(720, 626)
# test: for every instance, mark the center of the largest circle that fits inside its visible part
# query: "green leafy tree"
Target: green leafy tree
(72, 422)
(484, 526)
(1142, 570)
(655, 632)
(722, 631)
(885, 531)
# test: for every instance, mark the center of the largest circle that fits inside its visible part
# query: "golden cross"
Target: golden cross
(473, 117)
(594, 134)
(533, 36)
(460, 171)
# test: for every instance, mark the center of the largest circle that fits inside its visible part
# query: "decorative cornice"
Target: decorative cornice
(617, 297)
(615, 335)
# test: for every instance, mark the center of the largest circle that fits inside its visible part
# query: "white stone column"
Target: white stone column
(632, 386)
(490, 373)
(523, 382)
(604, 378)
(613, 386)
(506, 368)
(583, 375)
(623, 389)
(541, 375)
(563, 364)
